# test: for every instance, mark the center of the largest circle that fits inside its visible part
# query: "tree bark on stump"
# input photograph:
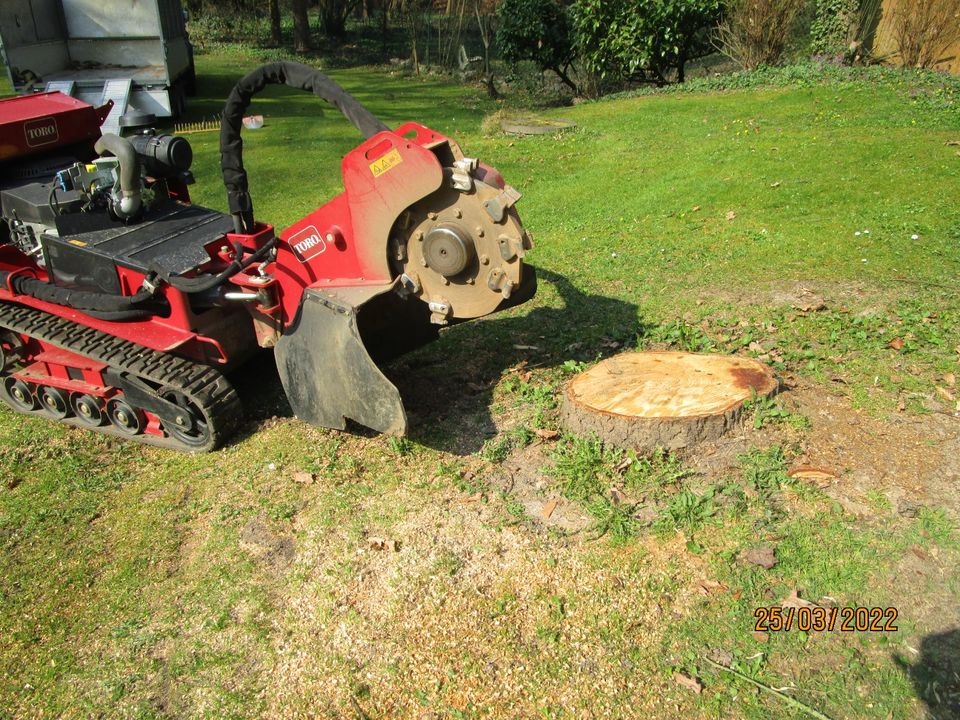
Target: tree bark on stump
(646, 400)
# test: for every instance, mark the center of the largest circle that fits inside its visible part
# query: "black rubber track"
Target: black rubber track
(201, 384)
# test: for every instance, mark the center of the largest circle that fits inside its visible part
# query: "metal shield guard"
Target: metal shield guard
(324, 364)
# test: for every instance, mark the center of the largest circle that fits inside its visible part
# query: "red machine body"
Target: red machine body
(123, 320)
(31, 124)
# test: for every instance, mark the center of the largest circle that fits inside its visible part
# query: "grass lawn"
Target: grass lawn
(811, 224)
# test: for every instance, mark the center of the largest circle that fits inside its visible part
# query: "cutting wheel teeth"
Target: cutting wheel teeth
(198, 127)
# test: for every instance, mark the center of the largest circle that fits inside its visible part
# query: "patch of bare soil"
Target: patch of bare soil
(912, 461)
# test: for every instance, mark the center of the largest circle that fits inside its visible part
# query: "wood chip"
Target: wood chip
(548, 508)
(546, 434)
(818, 475)
(690, 683)
(304, 478)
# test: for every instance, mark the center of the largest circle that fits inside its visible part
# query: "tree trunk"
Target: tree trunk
(275, 36)
(301, 27)
(647, 400)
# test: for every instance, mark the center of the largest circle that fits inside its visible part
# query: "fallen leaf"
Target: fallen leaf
(756, 347)
(946, 394)
(548, 509)
(688, 682)
(775, 185)
(304, 478)
(695, 208)
(377, 543)
(721, 657)
(793, 600)
(761, 636)
(711, 586)
(896, 343)
(919, 552)
(901, 405)
(526, 376)
(616, 496)
(13, 482)
(546, 434)
(950, 379)
(952, 142)
(476, 497)
(731, 215)
(762, 555)
(624, 464)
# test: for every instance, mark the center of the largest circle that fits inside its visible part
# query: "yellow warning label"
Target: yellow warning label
(389, 161)
(78, 243)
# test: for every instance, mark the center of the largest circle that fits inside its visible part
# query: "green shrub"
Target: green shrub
(642, 40)
(536, 30)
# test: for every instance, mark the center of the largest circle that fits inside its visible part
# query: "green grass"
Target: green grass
(136, 583)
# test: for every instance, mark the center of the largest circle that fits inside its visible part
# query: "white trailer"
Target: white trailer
(133, 52)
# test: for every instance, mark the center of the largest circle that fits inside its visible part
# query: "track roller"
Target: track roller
(125, 418)
(19, 394)
(54, 402)
(87, 409)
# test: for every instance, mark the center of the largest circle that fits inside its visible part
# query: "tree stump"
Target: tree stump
(645, 400)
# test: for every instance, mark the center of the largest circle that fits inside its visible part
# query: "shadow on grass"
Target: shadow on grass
(447, 386)
(936, 674)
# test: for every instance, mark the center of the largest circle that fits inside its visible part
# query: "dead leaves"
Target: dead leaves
(546, 434)
(793, 600)
(377, 543)
(304, 478)
(897, 343)
(690, 683)
(731, 215)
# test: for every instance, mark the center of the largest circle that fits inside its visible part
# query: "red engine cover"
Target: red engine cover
(36, 123)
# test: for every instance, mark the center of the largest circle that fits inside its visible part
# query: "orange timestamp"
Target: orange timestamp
(823, 619)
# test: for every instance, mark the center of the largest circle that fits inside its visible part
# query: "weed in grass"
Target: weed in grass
(678, 334)
(764, 470)
(767, 410)
(401, 445)
(654, 473)
(687, 511)
(572, 367)
(615, 519)
(499, 447)
(581, 467)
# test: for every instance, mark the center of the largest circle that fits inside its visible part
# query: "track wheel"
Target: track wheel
(194, 429)
(87, 409)
(19, 394)
(54, 402)
(125, 418)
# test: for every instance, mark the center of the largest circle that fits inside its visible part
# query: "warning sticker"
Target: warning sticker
(383, 164)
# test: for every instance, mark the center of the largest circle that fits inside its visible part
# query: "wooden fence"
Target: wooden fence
(885, 45)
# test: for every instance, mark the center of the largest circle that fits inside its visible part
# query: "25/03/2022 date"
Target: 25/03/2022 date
(818, 619)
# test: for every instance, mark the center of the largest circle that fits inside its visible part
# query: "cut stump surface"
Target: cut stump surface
(645, 400)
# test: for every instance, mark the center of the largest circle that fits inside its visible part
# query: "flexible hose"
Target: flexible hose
(294, 75)
(126, 155)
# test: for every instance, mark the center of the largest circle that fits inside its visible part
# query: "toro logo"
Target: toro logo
(307, 244)
(41, 132)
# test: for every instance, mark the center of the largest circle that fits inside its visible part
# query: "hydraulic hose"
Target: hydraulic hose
(294, 75)
(103, 305)
(204, 283)
(129, 202)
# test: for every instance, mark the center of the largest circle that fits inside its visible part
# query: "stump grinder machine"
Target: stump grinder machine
(123, 306)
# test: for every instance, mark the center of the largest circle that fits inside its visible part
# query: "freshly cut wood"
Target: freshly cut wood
(645, 400)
